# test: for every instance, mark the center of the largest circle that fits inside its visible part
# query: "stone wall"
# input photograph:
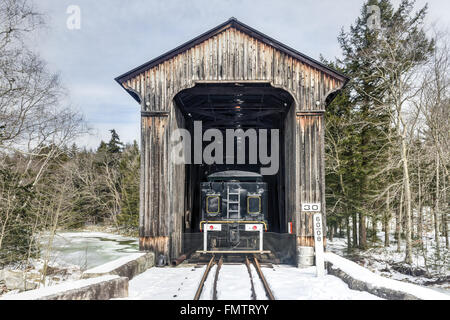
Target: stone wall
(101, 288)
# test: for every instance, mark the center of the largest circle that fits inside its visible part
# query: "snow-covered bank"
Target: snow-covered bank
(128, 266)
(290, 283)
(100, 288)
(71, 253)
(426, 269)
(378, 284)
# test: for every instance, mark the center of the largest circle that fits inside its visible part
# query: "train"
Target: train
(234, 211)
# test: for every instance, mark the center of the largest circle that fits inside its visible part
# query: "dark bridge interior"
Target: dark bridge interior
(235, 106)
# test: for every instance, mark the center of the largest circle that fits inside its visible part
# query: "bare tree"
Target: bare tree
(35, 126)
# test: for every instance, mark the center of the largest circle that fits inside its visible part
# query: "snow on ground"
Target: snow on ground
(208, 286)
(234, 283)
(363, 274)
(112, 265)
(391, 253)
(380, 260)
(291, 283)
(288, 283)
(166, 283)
(257, 283)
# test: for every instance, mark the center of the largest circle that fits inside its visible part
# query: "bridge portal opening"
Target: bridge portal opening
(229, 107)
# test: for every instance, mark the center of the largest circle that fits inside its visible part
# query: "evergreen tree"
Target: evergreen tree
(129, 168)
(114, 144)
(377, 61)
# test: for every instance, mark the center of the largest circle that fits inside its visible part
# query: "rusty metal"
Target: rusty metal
(216, 277)
(247, 263)
(202, 281)
(263, 280)
(180, 259)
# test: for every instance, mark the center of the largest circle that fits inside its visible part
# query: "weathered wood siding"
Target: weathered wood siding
(310, 160)
(292, 172)
(162, 185)
(234, 56)
(154, 220)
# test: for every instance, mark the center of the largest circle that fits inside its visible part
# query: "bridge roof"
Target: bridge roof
(232, 23)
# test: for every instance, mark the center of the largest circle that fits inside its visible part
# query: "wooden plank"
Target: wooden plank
(230, 56)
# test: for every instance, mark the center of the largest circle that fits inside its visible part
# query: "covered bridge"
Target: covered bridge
(232, 76)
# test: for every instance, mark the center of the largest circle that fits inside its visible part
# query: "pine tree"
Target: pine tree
(129, 172)
(378, 62)
(114, 145)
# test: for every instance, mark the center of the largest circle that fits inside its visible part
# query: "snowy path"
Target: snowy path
(290, 283)
(286, 282)
(233, 283)
(166, 284)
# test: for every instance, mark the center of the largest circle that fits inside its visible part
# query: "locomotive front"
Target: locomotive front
(234, 211)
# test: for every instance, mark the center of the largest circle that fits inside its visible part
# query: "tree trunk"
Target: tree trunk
(362, 231)
(436, 209)
(445, 209)
(386, 220)
(349, 239)
(408, 255)
(355, 230)
(374, 229)
(419, 208)
(398, 227)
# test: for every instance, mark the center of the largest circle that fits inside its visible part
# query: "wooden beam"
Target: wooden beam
(154, 113)
(233, 90)
(310, 113)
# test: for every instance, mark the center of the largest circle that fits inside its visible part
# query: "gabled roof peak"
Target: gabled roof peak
(235, 23)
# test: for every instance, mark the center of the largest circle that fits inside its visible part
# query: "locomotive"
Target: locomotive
(234, 211)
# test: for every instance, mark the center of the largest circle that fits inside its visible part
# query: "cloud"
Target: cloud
(117, 35)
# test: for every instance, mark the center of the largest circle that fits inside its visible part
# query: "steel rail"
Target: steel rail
(216, 277)
(247, 263)
(263, 279)
(202, 281)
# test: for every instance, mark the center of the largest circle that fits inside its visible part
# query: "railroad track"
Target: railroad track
(248, 262)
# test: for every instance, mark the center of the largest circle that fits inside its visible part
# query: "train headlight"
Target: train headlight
(213, 205)
(254, 205)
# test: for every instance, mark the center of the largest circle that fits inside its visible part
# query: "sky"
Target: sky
(116, 35)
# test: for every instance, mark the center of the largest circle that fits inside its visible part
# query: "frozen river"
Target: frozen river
(89, 249)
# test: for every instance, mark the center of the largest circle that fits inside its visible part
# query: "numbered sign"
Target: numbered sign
(318, 241)
(311, 207)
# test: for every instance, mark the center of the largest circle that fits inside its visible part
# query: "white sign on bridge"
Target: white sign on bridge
(311, 207)
(318, 240)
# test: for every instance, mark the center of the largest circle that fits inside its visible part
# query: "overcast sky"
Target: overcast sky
(117, 35)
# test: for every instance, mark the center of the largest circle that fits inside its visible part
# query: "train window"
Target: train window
(212, 205)
(254, 204)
